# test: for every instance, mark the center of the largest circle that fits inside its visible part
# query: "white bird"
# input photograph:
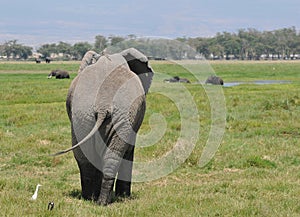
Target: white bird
(34, 196)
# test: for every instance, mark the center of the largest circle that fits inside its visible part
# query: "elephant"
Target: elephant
(177, 79)
(89, 58)
(59, 74)
(106, 104)
(214, 80)
(48, 59)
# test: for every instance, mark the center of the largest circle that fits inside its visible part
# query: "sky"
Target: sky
(36, 22)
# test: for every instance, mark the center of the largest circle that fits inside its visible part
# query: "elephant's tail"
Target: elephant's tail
(98, 123)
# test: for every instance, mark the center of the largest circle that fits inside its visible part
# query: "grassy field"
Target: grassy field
(255, 172)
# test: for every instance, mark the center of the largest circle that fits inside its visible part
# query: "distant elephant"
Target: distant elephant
(59, 74)
(89, 58)
(48, 59)
(106, 104)
(177, 79)
(214, 80)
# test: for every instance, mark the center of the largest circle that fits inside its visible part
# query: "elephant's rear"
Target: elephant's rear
(110, 92)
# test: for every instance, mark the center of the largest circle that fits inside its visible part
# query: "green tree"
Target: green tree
(24, 51)
(268, 40)
(9, 48)
(216, 50)
(80, 49)
(16, 51)
(291, 41)
(100, 43)
(296, 48)
(47, 49)
(114, 40)
(231, 44)
(64, 48)
(203, 47)
(131, 36)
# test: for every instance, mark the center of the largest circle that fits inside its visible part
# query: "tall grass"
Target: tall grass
(254, 173)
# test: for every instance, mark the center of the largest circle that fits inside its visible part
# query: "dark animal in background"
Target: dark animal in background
(177, 79)
(214, 80)
(37, 60)
(48, 59)
(59, 74)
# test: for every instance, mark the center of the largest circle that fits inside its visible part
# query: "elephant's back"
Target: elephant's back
(105, 86)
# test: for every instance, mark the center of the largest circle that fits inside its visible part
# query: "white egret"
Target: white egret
(34, 196)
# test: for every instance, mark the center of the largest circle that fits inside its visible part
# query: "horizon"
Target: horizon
(141, 37)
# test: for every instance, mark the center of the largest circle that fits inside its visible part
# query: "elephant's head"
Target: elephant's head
(52, 73)
(89, 58)
(138, 63)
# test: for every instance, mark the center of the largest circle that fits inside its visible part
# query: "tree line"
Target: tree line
(246, 44)
(249, 44)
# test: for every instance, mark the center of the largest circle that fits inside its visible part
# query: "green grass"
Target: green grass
(252, 70)
(255, 172)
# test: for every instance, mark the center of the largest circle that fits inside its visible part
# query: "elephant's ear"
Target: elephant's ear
(138, 63)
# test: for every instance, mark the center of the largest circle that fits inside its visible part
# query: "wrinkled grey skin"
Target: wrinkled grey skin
(177, 79)
(106, 105)
(59, 74)
(214, 80)
(89, 58)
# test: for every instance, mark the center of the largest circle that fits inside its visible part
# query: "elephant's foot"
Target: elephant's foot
(123, 188)
(90, 189)
(103, 201)
(105, 197)
(90, 181)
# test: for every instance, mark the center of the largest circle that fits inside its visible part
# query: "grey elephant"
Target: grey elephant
(48, 59)
(59, 74)
(214, 80)
(106, 103)
(177, 79)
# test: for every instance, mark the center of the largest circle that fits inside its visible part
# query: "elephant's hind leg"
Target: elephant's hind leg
(112, 158)
(90, 181)
(123, 183)
(109, 173)
(90, 176)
